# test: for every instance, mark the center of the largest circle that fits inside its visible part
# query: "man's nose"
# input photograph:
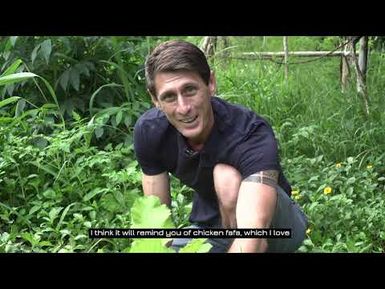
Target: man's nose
(183, 106)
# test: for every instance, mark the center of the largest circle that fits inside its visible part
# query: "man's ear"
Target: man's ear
(154, 99)
(212, 83)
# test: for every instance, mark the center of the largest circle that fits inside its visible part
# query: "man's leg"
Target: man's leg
(179, 243)
(227, 181)
(219, 245)
(288, 215)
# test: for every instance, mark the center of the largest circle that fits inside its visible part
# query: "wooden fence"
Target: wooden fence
(349, 57)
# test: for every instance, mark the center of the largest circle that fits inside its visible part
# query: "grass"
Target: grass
(310, 101)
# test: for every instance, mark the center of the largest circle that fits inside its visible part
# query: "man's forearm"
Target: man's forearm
(164, 199)
(255, 209)
(159, 186)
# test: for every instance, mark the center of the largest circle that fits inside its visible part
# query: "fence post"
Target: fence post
(209, 45)
(345, 69)
(361, 84)
(362, 62)
(286, 49)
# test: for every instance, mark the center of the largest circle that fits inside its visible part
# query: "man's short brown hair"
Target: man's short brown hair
(175, 55)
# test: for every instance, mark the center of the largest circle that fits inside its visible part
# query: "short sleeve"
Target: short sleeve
(257, 151)
(146, 151)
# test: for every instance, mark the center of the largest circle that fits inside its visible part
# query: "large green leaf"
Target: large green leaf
(16, 77)
(196, 246)
(149, 246)
(147, 212)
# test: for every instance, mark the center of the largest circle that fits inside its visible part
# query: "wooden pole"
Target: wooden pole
(286, 59)
(363, 61)
(345, 72)
(345, 69)
(270, 55)
(209, 45)
(361, 85)
(226, 44)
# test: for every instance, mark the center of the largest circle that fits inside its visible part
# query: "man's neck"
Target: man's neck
(196, 147)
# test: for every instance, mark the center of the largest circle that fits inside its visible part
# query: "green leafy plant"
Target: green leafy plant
(147, 212)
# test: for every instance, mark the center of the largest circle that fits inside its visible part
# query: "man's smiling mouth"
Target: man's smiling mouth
(189, 120)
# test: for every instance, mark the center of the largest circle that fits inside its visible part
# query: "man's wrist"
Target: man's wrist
(248, 246)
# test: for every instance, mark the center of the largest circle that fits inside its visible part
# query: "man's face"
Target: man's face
(185, 99)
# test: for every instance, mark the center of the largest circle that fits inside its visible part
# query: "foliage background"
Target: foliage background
(67, 162)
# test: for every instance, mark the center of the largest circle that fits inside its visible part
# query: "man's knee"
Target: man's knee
(227, 181)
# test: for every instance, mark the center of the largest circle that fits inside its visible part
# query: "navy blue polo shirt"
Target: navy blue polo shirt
(239, 138)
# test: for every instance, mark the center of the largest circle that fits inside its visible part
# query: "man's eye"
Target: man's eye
(190, 90)
(168, 98)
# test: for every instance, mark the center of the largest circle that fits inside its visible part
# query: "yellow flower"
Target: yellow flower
(369, 166)
(308, 231)
(297, 197)
(327, 190)
(294, 193)
(338, 165)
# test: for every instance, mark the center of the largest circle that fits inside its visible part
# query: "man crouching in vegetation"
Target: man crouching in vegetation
(225, 152)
